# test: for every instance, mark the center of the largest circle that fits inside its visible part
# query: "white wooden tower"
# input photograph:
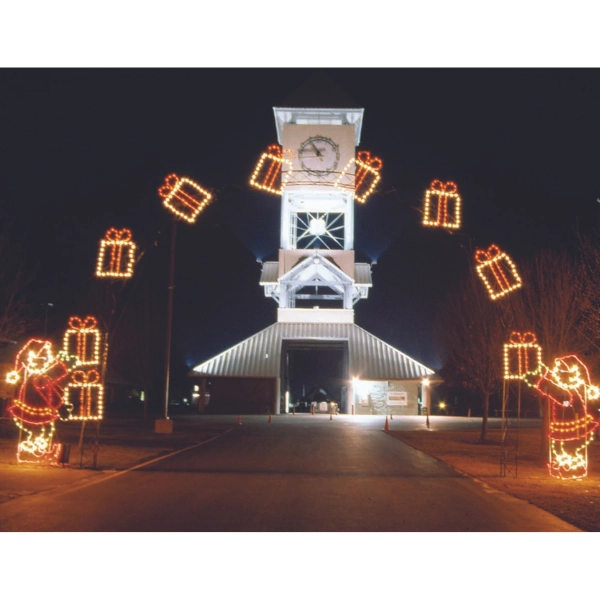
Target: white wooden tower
(316, 278)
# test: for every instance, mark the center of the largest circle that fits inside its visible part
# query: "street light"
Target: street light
(186, 200)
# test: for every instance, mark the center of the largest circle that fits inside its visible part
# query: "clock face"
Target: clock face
(319, 155)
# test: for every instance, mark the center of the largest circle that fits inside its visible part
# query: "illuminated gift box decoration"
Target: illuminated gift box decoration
(366, 176)
(267, 175)
(82, 340)
(442, 205)
(568, 388)
(84, 396)
(522, 356)
(184, 197)
(116, 255)
(497, 271)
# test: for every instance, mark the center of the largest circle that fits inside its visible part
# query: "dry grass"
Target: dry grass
(576, 501)
(117, 443)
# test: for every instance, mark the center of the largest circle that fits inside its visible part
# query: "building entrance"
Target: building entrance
(314, 375)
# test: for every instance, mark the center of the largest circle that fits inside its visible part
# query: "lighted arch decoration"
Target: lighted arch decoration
(568, 388)
(497, 271)
(442, 205)
(267, 174)
(522, 356)
(184, 197)
(82, 340)
(35, 405)
(366, 175)
(116, 256)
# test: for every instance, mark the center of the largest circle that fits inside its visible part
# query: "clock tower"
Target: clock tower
(318, 175)
(316, 278)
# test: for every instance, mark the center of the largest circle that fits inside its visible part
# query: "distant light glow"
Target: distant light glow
(317, 227)
(184, 197)
(497, 271)
(116, 255)
(442, 205)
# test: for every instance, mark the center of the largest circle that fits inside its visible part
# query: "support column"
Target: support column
(425, 395)
(277, 406)
(350, 397)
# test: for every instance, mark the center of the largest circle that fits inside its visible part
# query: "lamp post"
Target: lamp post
(185, 199)
(170, 289)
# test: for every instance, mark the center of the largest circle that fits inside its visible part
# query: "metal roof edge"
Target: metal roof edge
(406, 356)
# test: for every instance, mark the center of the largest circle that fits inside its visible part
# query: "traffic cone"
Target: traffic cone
(387, 425)
(270, 419)
(239, 421)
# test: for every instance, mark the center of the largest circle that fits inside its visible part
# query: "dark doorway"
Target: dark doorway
(314, 372)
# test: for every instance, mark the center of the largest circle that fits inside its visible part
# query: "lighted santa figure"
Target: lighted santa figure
(40, 376)
(568, 387)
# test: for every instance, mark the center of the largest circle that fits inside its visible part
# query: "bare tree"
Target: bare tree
(15, 308)
(550, 304)
(471, 328)
(588, 289)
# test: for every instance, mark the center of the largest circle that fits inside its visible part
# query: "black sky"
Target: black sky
(82, 150)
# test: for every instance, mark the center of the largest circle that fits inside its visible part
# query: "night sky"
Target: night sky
(82, 150)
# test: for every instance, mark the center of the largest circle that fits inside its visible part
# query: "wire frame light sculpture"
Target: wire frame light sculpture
(116, 255)
(362, 173)
(568, 388)
(522, 356)
(442, 207)
(184, 197)
(497, 271)
(268, 174)
(41, 377)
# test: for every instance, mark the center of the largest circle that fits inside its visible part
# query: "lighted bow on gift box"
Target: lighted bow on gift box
(366, 177)
(442, 205)
(497, 271)
(184, 197)
(116, 255)
(522, 355)
(84, 396)
(267, 175)
(82, 340)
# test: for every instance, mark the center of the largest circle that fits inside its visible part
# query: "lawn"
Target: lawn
(526, 474)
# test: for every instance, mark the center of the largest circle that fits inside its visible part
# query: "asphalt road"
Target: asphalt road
(301, 473)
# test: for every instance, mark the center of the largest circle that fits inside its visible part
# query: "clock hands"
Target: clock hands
(317, 151)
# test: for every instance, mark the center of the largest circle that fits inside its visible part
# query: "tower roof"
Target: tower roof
(319, 101)
(319, 91)
(260, 354)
